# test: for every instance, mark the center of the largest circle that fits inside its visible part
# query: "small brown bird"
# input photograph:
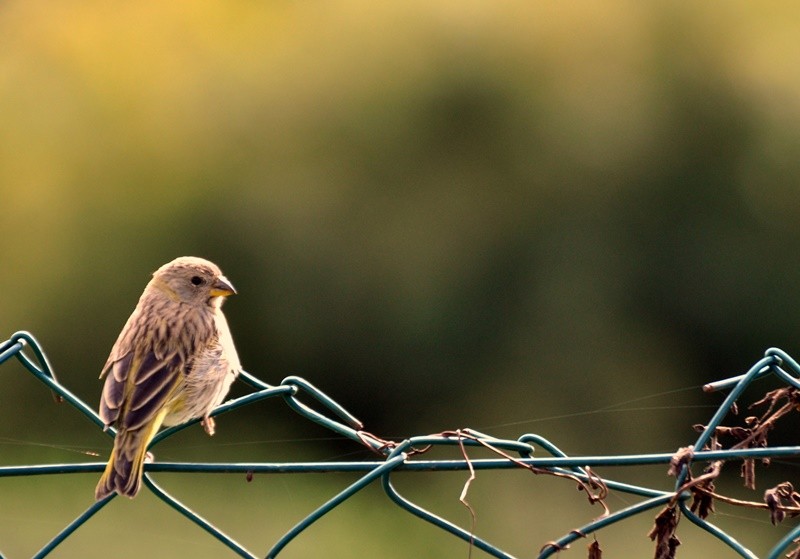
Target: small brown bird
(174, 361)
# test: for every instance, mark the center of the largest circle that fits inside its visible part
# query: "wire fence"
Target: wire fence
(692, 497)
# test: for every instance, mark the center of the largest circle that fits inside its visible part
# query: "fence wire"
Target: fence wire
(692, 496)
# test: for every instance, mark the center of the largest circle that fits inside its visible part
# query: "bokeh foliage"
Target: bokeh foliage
(444, 214)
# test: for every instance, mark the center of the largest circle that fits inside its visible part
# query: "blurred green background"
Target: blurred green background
(447, 214)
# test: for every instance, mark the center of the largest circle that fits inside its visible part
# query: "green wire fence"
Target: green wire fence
(690, 497)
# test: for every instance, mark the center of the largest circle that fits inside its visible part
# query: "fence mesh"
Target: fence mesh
(695, 467)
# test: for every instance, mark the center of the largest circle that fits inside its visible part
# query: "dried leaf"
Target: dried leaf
(774, 499)
(663, 533)
(594, 550)
(674, 542)
(679, 460)
(740, 433)
(703, 501)
(788, 393)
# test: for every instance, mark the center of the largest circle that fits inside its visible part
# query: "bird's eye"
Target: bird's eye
(197, 280)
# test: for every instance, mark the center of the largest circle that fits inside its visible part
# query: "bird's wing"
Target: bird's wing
(138, 384)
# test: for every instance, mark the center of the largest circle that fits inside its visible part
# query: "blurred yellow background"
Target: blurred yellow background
(444, 214)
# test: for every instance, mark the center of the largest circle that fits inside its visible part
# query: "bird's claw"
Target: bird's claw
(208, 425)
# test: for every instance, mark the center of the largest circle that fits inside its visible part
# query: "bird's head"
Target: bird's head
(193, 280)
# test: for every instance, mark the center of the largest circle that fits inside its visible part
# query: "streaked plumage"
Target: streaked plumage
(173, 361)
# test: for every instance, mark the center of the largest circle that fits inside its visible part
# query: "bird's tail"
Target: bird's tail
(124, 470)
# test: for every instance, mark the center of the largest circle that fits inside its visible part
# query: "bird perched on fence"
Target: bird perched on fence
(174, 361)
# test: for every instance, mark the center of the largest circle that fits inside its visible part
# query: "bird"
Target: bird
(174, 361)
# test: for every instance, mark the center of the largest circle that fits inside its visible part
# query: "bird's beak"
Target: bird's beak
(222, 288)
